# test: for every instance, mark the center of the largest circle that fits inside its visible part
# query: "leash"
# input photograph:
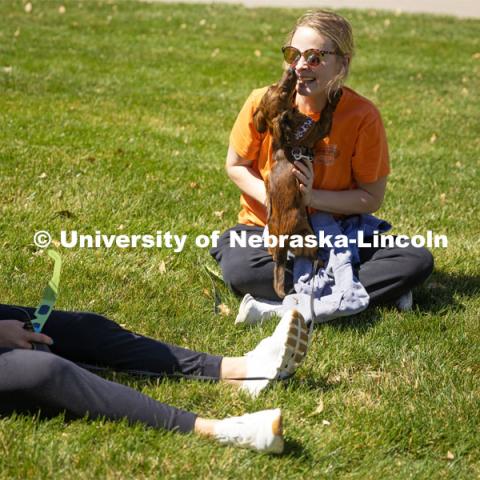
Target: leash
(316, 264)
(213, 276)
(150, 374)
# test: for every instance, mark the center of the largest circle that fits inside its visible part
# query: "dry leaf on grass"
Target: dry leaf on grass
(224, 310)
(162, 268)
(319, 409)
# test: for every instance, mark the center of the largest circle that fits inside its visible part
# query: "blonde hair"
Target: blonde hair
(339, 31)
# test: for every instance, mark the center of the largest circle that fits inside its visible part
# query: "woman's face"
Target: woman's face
(313, 80)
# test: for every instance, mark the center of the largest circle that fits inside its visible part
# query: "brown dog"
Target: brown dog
(294, 136)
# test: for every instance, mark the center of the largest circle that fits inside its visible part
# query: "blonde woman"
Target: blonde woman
(347, 177)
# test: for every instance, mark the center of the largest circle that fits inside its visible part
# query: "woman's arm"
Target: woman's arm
(242, 174)
(367, 198)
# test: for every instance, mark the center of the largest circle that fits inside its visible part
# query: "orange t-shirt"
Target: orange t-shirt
(355, 150)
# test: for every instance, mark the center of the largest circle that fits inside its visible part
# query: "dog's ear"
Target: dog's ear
(277, 132)
(285, 127)
(269, 205)
(259, 121)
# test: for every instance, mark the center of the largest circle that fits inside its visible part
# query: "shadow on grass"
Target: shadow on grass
(295, 449)
(360, 322)
(440, 291)
(312, 383)
(435, 296)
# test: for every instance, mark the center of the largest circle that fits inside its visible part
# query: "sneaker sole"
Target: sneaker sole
(296, 344)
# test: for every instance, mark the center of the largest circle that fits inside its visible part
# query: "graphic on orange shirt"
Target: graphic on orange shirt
(326, 154)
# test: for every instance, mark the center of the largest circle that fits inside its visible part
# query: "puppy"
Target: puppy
(274, 106)
(294, 136)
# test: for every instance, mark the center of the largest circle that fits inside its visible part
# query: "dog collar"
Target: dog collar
(304, 128)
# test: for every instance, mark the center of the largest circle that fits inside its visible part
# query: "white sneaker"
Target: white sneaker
(279, 355)
(405, 302)
(252, 311)
(261, 431)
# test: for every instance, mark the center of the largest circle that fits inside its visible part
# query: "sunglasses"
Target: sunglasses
(312, 56)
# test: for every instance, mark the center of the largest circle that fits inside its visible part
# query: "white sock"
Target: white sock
(254, 311)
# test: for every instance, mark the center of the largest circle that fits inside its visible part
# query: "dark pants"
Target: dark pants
(33, 380)
(386, 273)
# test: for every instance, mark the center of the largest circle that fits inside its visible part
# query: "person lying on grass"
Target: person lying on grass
(347, 178)
(51, 382)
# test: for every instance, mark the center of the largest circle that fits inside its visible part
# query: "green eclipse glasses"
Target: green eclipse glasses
(50, 294)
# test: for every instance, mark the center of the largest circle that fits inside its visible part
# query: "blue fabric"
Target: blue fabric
(367, 224)
(336, 291)
(348, 227)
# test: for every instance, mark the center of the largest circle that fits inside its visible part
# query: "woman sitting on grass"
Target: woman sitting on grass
(347, 177)
(32, 380)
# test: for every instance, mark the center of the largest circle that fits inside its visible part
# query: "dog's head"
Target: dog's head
(276, 100)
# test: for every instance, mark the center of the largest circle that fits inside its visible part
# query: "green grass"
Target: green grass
(115, 117)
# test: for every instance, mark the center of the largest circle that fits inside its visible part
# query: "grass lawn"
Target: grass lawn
(115, 117)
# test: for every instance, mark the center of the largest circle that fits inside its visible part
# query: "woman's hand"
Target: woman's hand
(304, 174)
(13, 335)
